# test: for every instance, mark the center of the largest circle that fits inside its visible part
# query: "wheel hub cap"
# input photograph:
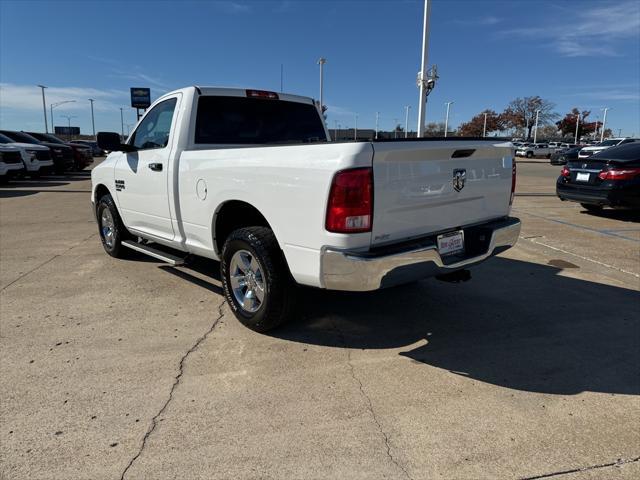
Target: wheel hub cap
(247, 281)
(107, 227)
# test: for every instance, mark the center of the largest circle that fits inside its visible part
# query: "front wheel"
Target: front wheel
(112, 230)
(256, 280)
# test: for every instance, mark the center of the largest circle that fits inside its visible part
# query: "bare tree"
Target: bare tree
(521, 113)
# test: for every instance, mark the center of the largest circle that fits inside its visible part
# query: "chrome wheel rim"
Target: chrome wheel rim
(107, 227)
(247, 281)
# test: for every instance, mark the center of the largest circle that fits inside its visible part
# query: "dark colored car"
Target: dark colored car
(81, 153)
(567, 155)
(610, 178)
(96, 151)
(62, 154)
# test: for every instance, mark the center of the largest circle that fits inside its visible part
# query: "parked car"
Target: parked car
(62, 154)
(535, 150)
(10, 162)
(561, 157)
(610, 178)
(35, 158)
(250, 178)
(96, 151)
(81, 154)
(586, 152)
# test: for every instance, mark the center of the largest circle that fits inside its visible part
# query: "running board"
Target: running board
(152, 252)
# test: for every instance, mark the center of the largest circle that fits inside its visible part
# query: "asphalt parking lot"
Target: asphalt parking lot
(115, 369)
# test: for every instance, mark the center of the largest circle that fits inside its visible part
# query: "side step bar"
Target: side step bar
(152, 252)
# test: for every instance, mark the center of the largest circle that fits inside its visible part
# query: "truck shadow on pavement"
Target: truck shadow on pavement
(516, 324)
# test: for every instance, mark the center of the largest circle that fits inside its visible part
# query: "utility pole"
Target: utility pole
(535, 133)
(377, 119)
(44, 109)
(484, 128)
(406, 121)
(422, 80)
(446, 120)
(604, 122)
(93, 123)
(321, 62)
(355, 130)
(121, 122)
(577, 124)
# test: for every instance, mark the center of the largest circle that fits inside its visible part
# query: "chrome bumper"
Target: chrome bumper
(363, 272)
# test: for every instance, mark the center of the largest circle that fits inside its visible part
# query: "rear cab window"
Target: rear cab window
(256, 121)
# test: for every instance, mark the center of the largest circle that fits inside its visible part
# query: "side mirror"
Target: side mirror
(111, 142)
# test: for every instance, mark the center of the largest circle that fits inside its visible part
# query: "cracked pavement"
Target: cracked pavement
(129, 369)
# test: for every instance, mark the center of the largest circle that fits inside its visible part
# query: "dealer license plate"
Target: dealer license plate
(451, 243)
(582, 177)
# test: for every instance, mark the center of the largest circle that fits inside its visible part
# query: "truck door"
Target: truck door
(141, 177)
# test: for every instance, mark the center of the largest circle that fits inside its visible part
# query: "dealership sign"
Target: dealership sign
(67, 130)
(140, 97)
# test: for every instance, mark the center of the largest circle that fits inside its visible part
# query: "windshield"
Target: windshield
(254, 121)
(47, 137)
(608, 143)
(21, 137)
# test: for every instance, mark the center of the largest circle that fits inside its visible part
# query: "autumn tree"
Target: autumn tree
(434, 129)
(521, 113)
(475, 126)
(568, 124)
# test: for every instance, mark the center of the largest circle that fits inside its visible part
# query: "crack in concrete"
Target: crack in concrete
(369, 403)
(176, 381)
(617, 463)
(47, 261)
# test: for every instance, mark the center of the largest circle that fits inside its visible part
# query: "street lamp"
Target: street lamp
(54, 105)
(93, 123)
(535, 133)
(604, 122)
(321, 62)
(577, 124)
(355, 130)
(121, 122)
(44, 109)
(424, 83)
(446, 120)
(484, 128)
(377, 119)
(68, 117)
(406, 121)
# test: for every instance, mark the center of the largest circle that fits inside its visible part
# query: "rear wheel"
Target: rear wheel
(112, 230)
(529, 154)
(255, 279)
(591, 208)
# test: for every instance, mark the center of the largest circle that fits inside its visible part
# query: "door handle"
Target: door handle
(156, 167)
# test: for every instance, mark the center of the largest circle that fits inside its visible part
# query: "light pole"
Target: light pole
(406, 121)
(54, 105)
(535, 133)
(355, 130)
(44, 109)
(604, 122)
(422, 80)
(377, 119)
(577, 124)
(321, 62)
(446, 119)
(121, 122)
(526, 129)
(68, 117)
(484, 128)
(93, 123)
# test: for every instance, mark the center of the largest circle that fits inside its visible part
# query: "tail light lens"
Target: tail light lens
(565, 172)
(513, 182)
(619, 174)
(350, 207)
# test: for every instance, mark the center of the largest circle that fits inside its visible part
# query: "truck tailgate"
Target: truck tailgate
(414, 192)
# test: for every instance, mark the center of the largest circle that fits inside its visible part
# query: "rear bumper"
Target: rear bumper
(622, 197)
(360, 272)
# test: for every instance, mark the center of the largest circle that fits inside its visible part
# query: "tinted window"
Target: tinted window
(21, 137)
(608, 143)
(247, 121)
(153, 131)
(629, 152)
(5, 139)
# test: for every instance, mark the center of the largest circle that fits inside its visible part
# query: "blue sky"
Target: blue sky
(574, 53)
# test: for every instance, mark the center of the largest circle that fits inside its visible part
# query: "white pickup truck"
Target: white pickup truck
(252, 179)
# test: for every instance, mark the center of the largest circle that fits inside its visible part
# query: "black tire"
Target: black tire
(112, 245)
(591, 208)
(278, 286)
(529, 154)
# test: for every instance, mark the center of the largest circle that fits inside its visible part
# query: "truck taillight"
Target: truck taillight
(350, 206)
(619, 174)
(262, 94)
(513, 182)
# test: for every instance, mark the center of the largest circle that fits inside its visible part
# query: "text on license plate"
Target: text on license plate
(582, 177)
(450, 243)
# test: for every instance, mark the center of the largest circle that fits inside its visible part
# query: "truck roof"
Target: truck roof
(240, 92)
